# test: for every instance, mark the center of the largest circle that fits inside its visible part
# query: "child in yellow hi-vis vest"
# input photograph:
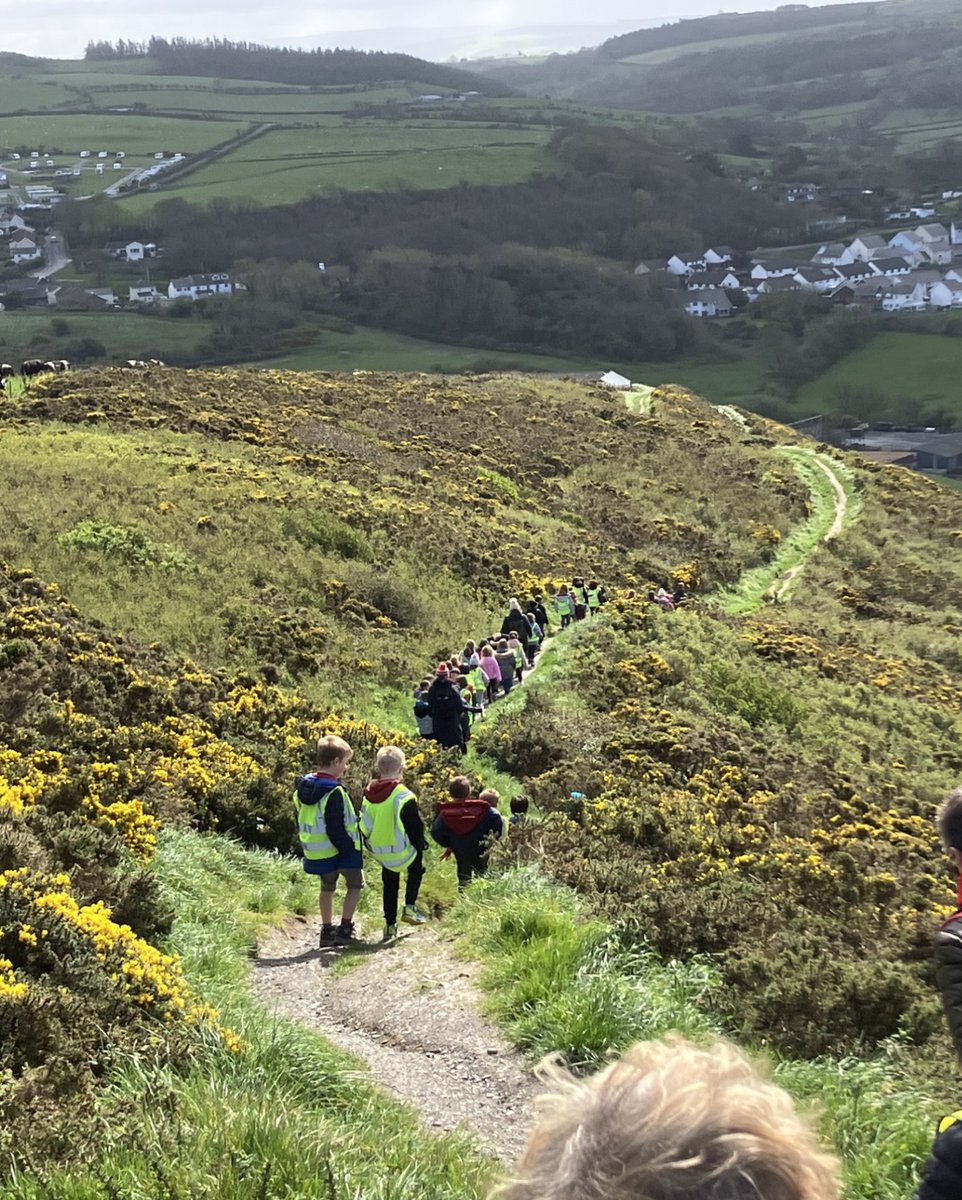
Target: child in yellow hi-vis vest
(394, 832)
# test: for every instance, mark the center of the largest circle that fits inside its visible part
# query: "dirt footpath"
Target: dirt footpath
(411, 1011)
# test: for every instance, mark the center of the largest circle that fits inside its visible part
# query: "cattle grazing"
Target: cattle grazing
(135, 364)
(156, 362)
(6, 370)
(61, 364)
(33, 366)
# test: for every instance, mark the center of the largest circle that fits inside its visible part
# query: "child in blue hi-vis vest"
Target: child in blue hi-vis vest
(330, 841)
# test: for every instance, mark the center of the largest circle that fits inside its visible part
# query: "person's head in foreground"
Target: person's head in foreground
(670, 1121)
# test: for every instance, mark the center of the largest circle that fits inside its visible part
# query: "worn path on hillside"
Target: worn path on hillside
(412, 1012)
(775, 581)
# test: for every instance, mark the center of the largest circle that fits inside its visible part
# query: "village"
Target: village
(914, 270)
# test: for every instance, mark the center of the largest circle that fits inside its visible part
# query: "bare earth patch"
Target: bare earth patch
(411, 1012)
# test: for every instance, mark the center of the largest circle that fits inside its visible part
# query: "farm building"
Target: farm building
(942, 452)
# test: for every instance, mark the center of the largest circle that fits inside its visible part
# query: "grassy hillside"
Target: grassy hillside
(252, 557)
(312, 137)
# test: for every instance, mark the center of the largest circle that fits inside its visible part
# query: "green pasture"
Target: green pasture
(378, 350)
(907, 369)
(719, 382)
(264, 103)
(125, 335)
(135, 133)
(287, 164)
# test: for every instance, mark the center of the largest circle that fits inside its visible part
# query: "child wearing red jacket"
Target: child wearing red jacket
(466, 826)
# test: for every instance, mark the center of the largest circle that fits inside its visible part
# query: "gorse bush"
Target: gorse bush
(752, 698)
(129, 546)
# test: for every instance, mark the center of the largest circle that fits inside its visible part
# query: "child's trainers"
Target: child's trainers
(411, 916)
(389, 934)
(344, 935)
(328, 935)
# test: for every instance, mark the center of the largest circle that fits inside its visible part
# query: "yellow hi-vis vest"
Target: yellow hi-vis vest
(384, 833)
(594, 597)
(315, 842)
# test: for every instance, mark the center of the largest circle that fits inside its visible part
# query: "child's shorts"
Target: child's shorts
(354, 878)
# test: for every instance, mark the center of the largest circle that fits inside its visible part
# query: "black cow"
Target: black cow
(6, 370)
(33, 366)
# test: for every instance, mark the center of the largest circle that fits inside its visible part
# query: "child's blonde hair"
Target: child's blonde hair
(673, 1121)
(389, 762)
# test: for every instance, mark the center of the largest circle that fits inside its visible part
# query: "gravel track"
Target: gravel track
(411, 1012)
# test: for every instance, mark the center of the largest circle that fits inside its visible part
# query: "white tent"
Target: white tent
(614, 380)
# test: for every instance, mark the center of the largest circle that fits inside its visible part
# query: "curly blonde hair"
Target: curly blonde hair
(670, 1121)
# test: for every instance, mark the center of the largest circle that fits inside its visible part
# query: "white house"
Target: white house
(716, 256)
(711, 303)
(866, 246)
(815, 279)
(685, 263)
(902, 296)
(947, 293)
(828, 254)
(197, 287)
(773, 270)
(143, 293)
(891, 267)
(24, 247)
(699, 280)
(907, 242)
(855, 272)
(936, 232)
(105, 295)
(613, 380)
(937, 252)
(132, 251)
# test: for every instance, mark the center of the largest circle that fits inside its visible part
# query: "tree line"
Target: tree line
(219, 58)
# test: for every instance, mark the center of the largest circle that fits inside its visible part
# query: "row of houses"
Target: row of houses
(912, 271)
(187, 287)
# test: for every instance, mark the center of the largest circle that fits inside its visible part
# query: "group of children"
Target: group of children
(669, 600)
(333, 833)
(446, 706)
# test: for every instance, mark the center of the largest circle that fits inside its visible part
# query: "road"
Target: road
(57, 256)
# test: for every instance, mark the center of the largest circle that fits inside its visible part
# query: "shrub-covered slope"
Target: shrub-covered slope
(310, 544)
(251, 557)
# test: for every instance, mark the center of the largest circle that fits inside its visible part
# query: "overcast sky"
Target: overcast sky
(430, 28)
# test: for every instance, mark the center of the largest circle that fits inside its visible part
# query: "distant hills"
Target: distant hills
(796, 58)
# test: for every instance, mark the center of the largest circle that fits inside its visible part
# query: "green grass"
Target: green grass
(139, 134)
(920, 367)
(719, 382)
(287, 1115)
(804, 539)
(123, 334)
(285, 165)
(379, 350)
(559, 980)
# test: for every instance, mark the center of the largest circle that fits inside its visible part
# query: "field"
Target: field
(379, 350)
(917, 367)
(123, 335)
(312, 146)
(284, 165)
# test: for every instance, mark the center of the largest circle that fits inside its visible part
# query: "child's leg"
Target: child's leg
(328, 885)
(413, 885)
(390, 886)
(355, 882)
